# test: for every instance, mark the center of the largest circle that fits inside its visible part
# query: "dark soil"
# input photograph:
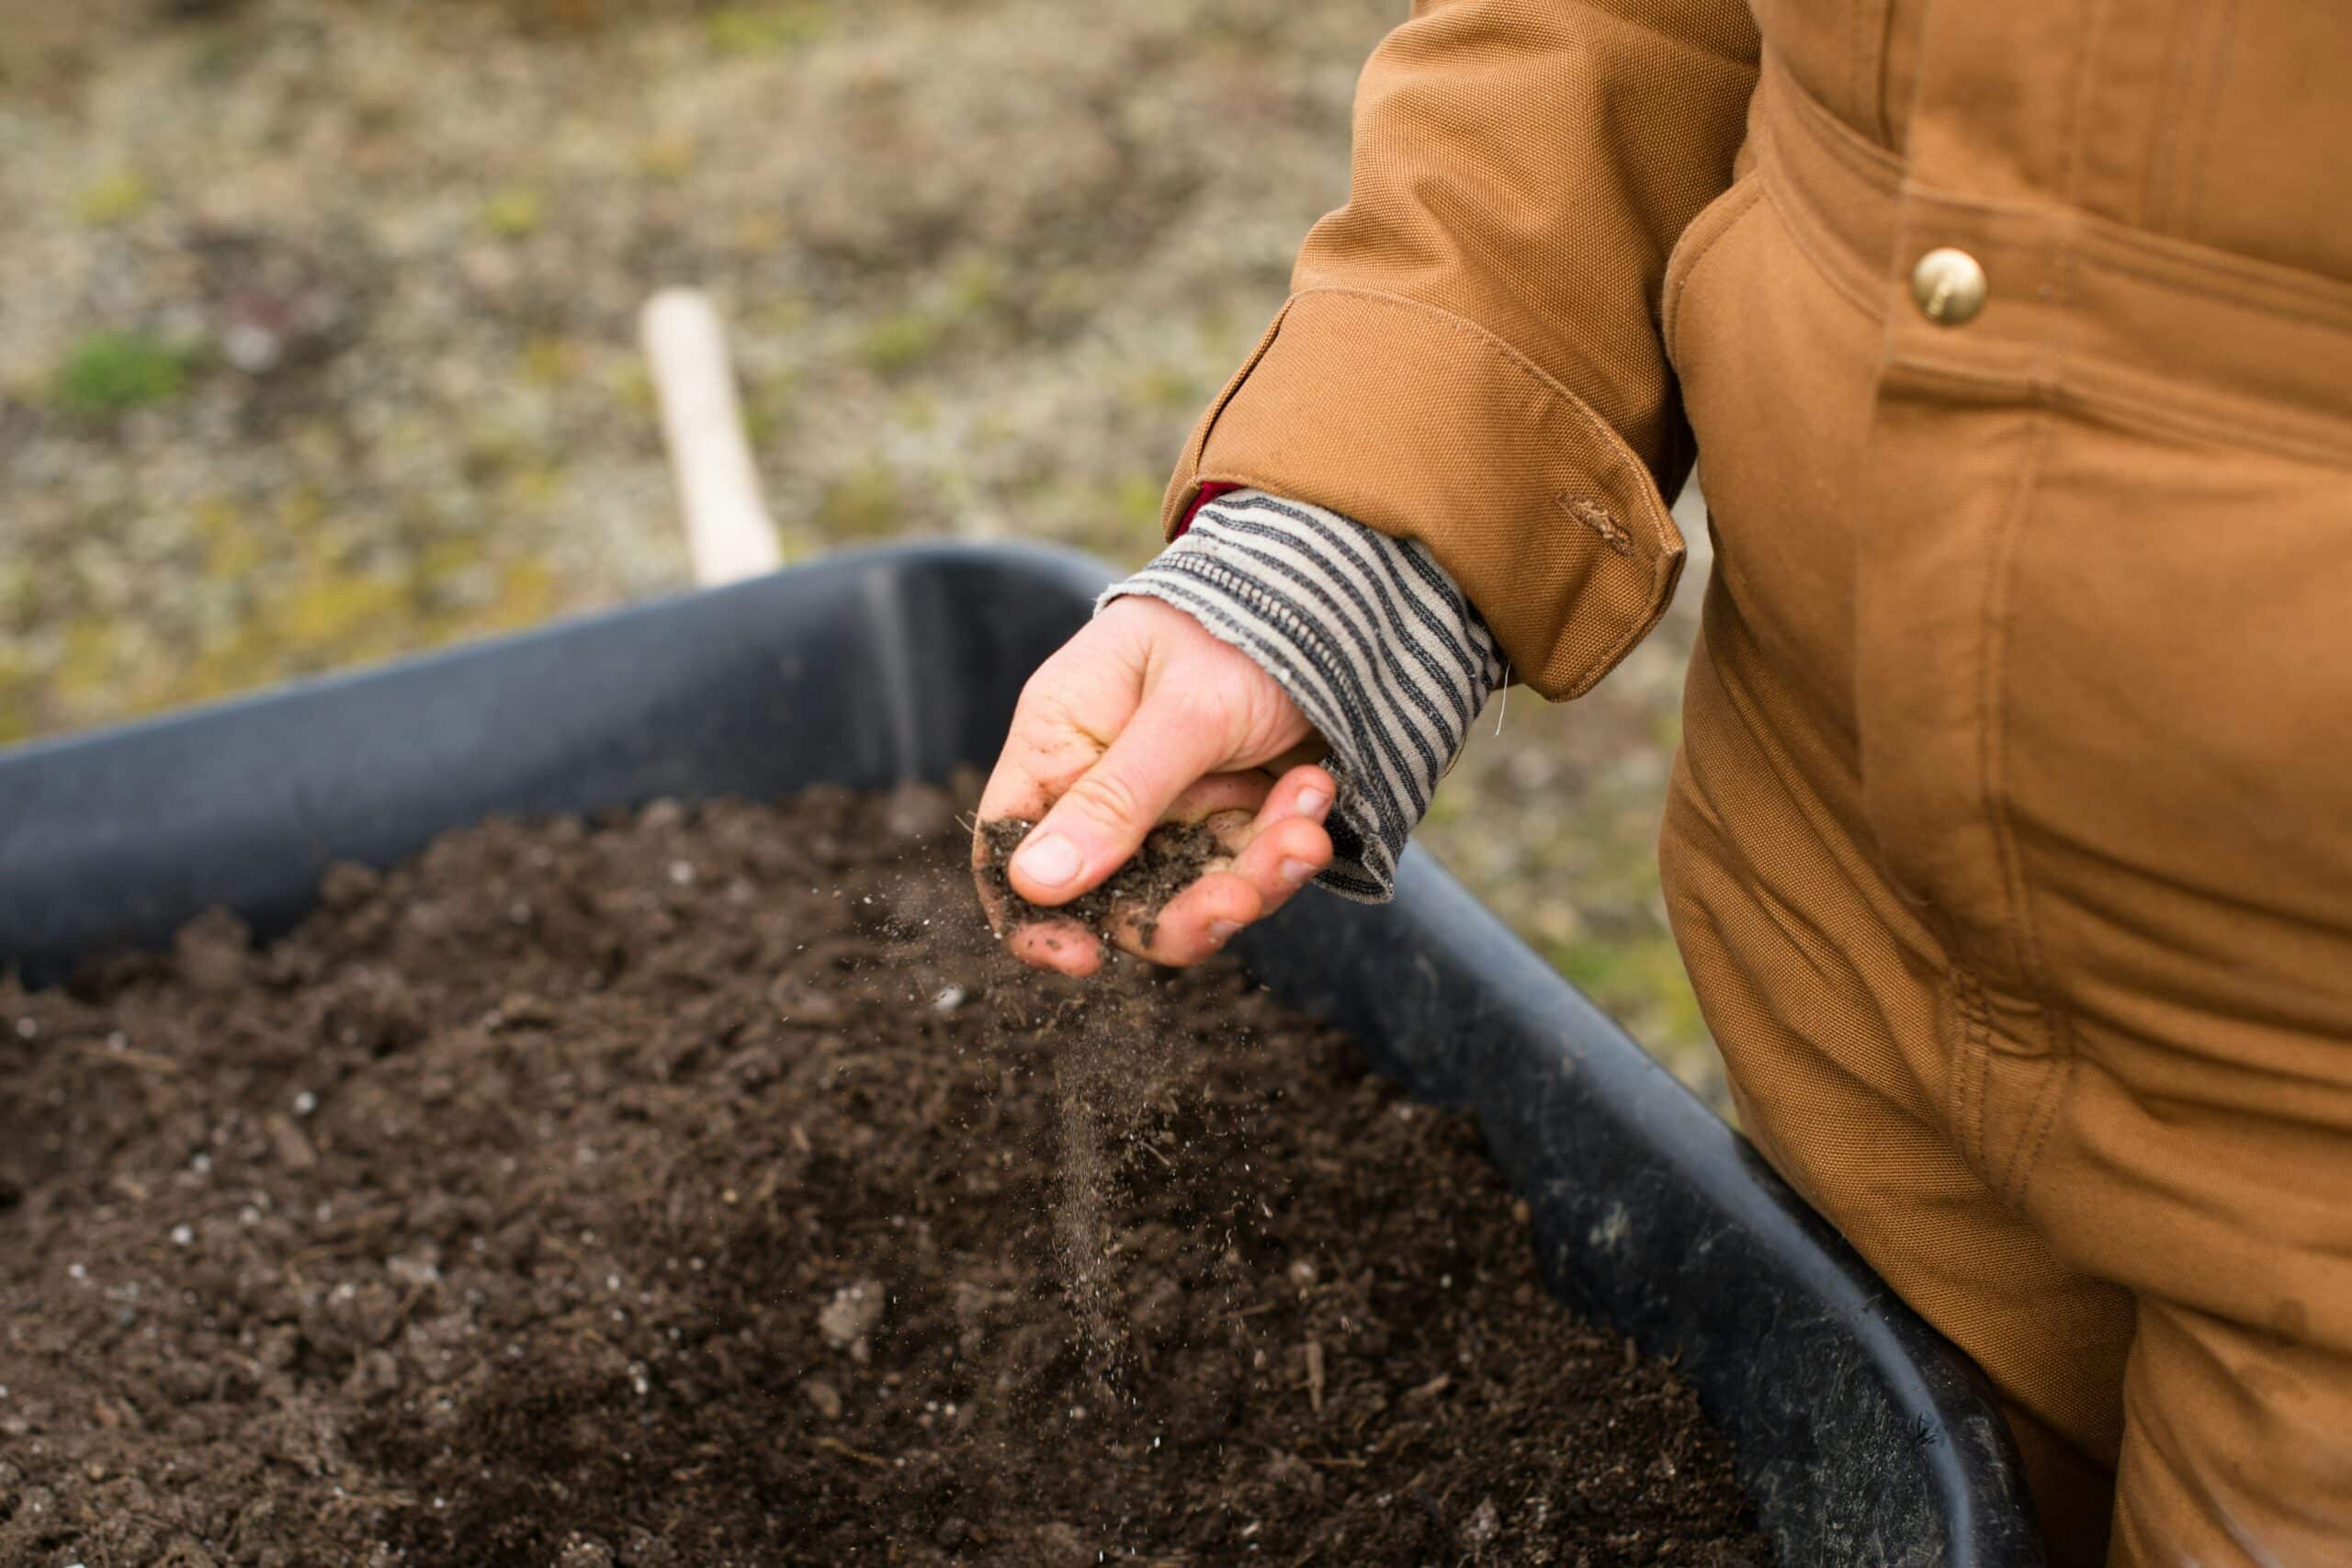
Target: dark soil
(704, 1187)
(1172, 857)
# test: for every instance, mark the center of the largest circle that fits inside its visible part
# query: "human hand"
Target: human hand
(1145, 717)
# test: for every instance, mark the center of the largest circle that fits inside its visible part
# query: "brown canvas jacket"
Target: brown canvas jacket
(1476, 350)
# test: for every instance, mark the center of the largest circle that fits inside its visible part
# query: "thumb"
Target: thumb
(1102, 819)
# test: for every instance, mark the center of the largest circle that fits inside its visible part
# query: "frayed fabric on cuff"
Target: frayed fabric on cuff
(1369, 636)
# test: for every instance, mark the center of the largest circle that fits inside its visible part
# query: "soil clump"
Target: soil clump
(696, 1186)
(1172, 857)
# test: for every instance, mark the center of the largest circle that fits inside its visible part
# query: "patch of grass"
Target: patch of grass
(110, 374)
(515, 212)
(979, 286)
(20, 690)
(897, 342)
(232, 547)
(779, 314)
(17, 693)
(632, 387)
(533, 488)
(666, 160)
(864, 504)
(769, 401)
(1134, 502)
(916, 410)
(115, 198)
(763, 29)
(492, 453)
(1638, 979)
(214, 56)
(548, 361)
(1167, 389)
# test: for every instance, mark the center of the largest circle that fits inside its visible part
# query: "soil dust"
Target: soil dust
(705, 1186)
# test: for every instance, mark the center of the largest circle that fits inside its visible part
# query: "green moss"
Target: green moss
(18, 587)
(233, 548)
(492, 452)
(1068, 294)
(666, 160)
(916, 410)
(768, 402)
(548, 361)
(515, 212)
(532, 486)
(111, 373)
(897, 342)
(526, 595)
(19, 690)
(632, 386)
(116, 197)
(1167, 389)
(979, 286)
(1446, 808)
(1134, 502)
(865, 505)
(779, 315)
(1639, 978)
(763, 29)
(215, 55)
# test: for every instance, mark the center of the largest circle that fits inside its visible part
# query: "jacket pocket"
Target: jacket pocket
(1715, 220)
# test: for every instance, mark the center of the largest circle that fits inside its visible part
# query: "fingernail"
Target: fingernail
(1295, 872)
(1221, 932)
(1050, 862)
(1311, 802)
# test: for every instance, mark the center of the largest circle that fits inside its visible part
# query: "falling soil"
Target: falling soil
(697, 1188)
(1174, 855)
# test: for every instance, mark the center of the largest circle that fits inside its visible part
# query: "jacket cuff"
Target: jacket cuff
(1367, 633)
(1421, 424)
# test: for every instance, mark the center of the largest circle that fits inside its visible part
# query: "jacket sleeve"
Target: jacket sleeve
(1470, 355)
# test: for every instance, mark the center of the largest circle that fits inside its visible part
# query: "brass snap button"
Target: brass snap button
(1949, 287)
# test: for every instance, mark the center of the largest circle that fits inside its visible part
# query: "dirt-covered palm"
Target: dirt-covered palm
(1140, 718)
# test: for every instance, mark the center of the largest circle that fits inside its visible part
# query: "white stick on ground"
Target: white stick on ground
(729, 534)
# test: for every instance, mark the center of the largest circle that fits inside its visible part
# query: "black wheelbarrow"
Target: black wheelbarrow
(1862, 1436)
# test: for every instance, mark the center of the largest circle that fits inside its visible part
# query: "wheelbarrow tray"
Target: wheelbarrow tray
(1862, 1435)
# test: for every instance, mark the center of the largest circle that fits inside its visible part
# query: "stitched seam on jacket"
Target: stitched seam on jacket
(1971, 1061)
(1738, 202)
(2192, 216)
(2017, 1169)
(2101, 393)
(1197, 448)
(1798, 222)
(1875, 164)
(1664, 570)
(2171, 257)
(2058, 1077)
(1613, 445)
(2106, 399)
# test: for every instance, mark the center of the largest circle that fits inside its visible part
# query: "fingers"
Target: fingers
(1287, 847)
(1195, 924)
(1064, 946)
(1103, 815)
(1279, 851)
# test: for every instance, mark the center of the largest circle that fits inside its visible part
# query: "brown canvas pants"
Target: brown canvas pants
(2010, 849)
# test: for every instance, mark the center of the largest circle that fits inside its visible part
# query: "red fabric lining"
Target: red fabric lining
(1209, 491)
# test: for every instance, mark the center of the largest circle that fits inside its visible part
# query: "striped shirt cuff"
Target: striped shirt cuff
(1367, 633)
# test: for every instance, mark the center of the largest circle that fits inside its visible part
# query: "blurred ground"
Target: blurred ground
(319, 339)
